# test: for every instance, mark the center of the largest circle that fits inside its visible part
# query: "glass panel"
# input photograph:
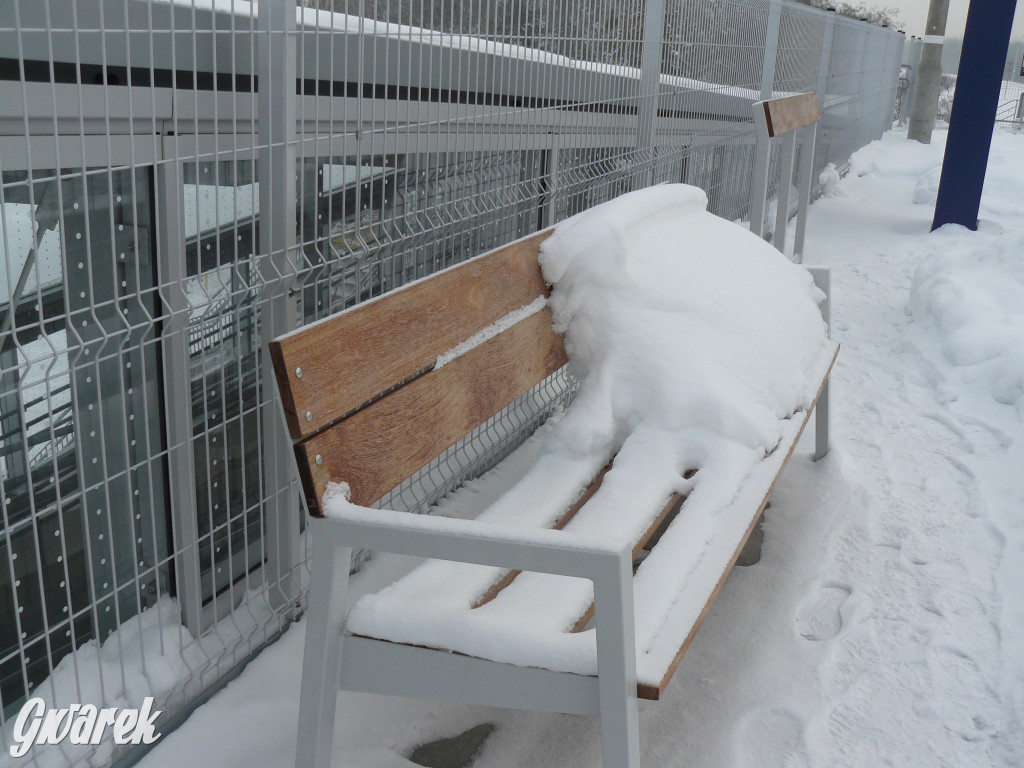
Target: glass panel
(221, 204)
(82, 476)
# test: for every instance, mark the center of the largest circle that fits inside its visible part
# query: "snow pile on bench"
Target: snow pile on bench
(679, 319)
(697, 341)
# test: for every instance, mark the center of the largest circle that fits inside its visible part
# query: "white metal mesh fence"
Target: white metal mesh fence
(182, 181)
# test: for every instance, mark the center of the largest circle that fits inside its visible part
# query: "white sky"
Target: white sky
(913, 14)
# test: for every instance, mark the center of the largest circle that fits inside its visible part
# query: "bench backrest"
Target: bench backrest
(363, 399)
(790, 112)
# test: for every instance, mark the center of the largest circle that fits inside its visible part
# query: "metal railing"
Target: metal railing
(183, 180)
(1011, 103)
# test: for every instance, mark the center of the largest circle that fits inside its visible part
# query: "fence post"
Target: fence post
(865, 126)
(650, 82)
(771, 49)
(277, 246)
(787, 163)
(549, 180)
(888, 80)
(898, 61)
(812, 135)
(763, 144)
(181, 464)
(913, 62)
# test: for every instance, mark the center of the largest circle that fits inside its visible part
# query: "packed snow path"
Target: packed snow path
(884, 624)
(918, 593)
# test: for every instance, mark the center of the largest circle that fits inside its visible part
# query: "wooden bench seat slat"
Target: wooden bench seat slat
(673, 504)
(377, 447)
(392, 338)
(570, 513)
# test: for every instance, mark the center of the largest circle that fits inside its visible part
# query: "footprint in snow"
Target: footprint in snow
(972, 435)
(771, 738)
(818, 617)
(988, 439)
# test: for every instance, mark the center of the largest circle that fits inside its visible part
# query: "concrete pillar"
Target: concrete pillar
(929, 76)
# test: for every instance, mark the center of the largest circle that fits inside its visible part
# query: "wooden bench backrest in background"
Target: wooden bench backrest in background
(790, 112)
(361, 397)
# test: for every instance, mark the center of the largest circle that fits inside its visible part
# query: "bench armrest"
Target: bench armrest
(607, 562)
(472, 541)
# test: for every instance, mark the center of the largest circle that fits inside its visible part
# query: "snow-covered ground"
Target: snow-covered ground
(884, 624)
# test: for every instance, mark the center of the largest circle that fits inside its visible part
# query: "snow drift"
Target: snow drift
(970, 298)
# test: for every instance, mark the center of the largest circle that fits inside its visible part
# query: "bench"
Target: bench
(367, 403)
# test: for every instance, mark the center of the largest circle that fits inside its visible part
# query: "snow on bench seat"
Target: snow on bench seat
(529, 622)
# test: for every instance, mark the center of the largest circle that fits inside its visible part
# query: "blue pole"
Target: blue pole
(986, 41)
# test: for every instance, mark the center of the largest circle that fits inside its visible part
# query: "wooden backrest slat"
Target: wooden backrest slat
(791, 112)
(350, 358)
(379, 446)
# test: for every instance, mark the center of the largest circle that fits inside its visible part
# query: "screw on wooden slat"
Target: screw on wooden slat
(309, 415)
(319, 459)
(298, 373)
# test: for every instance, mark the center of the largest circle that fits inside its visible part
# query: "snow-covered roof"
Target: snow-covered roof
(331, 21)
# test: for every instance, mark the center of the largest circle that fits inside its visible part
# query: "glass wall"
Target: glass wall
(82, 476)
(221, 206)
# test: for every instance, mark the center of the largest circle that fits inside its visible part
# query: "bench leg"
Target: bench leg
(616, 667)
(823, 280)
(322, 654)
(821, 424)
